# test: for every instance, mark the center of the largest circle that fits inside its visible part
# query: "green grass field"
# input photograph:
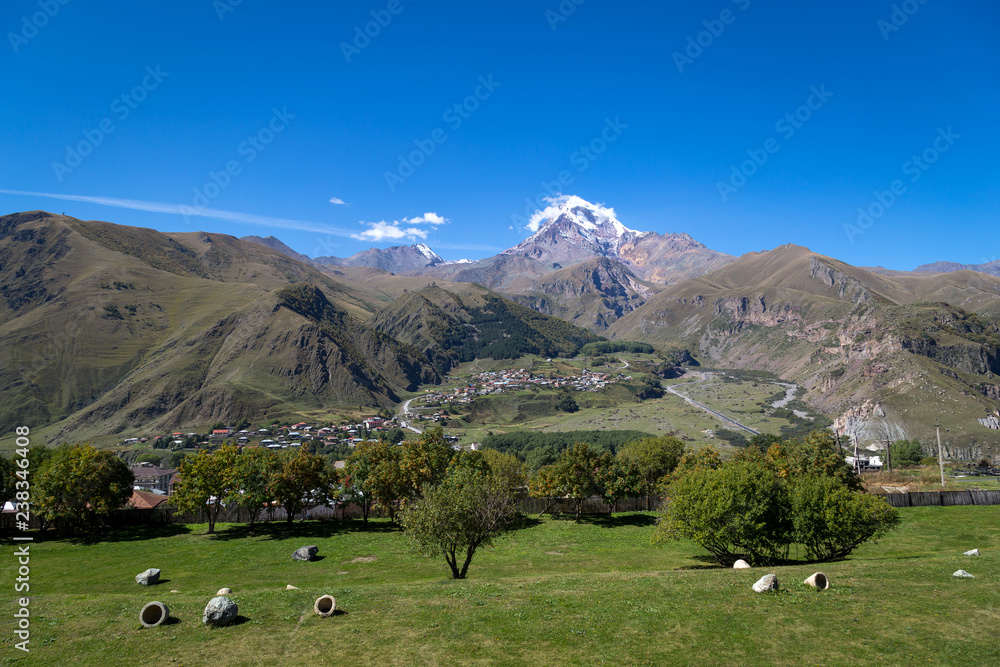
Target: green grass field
(553, 593)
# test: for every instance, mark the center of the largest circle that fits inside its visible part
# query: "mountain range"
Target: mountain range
(106, 327)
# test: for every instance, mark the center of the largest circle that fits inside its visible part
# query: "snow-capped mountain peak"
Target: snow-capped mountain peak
(425, 250)
(594, 220)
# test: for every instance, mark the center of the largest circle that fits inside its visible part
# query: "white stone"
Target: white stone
(225, 591)
(963, 573)
(289, 587)
(818, 580)
(768, 582)
(741, 565)
(974, 552)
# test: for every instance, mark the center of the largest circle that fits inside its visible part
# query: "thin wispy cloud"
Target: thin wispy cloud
(395, 231)
(190, 211)
(337, 201)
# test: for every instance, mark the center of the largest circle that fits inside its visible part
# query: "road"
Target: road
(707, 409)
(403, 409)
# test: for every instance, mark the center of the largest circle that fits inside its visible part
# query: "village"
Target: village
(512, 380)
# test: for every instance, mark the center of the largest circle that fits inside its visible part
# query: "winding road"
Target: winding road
(672, 390)
(403, 409)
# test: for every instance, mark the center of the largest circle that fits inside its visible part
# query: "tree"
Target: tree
(618, 479)
(831, 521)
(576, 473)
(507, 468)
(206, 478)
(253, 475)
(906, 452)
(423, 461)
(739, 510)
(300, 481)
(545, 483)
(567, 404)
(655, 459)
(469, 509)
(374, 477)
(8, 480)
(80, 483)
(815, 454)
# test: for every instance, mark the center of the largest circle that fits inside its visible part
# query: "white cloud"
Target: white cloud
(190, 211)
(394, 231)
(426, 219)
(338, 201)
(385, 231)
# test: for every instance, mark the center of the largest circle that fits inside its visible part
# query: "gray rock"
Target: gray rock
(150, 577)
(768, 582)
(306, 553)
(818, 580)
(153, 614)
(974, 552)
(220, 611)
(963, 573)
(741, 565)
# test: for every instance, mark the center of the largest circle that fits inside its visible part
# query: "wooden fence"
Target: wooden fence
(941, 498)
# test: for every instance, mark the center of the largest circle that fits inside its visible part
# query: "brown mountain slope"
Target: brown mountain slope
(871, 349)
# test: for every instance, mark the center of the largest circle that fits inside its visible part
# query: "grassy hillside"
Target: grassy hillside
(553, 593)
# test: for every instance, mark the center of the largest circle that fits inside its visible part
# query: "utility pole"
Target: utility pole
(937, 425)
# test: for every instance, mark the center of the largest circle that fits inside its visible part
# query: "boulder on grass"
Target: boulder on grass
(819, 581)
(153, 614)
(325, 606)
(150, 577)
(306, 553)
(741, 565)
(768, 582)
(963, 574)
(220, 611)
(974, 552)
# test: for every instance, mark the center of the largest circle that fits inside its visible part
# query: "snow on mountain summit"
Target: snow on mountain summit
(428, 253)
(597, 219)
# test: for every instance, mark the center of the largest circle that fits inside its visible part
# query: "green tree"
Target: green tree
(253, 475)
(906, 452)
(423, 461)
(469, 509)
(546, 484)
(576, 473)
(300, 481)
(206, 478)
(655, 459)
(374, 477)
(507, 468)
(739, 510)
(567, 404)
(618, 479)
(831, 521)
(78, 484)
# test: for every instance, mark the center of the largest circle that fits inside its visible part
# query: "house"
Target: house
(148, 476)
(144, 500)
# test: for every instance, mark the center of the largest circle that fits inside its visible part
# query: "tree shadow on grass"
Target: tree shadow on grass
(122, 534)
(706, 562)
(619, 520)
(274, 530)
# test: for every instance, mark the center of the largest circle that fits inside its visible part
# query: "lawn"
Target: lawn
(554, 592)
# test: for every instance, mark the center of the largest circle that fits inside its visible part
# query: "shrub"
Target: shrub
(906, 452)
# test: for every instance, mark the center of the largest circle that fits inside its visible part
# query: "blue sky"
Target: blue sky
(611, 97)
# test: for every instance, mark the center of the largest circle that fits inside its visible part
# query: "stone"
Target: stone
(818, 580)
(306, 553)
(225, 591)
(289, 587)
(963, 574)
(150, 577)
(325, 606)
(974, 552)
(741, 565)
(153, 614)
(220, 611)
(768, 582)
